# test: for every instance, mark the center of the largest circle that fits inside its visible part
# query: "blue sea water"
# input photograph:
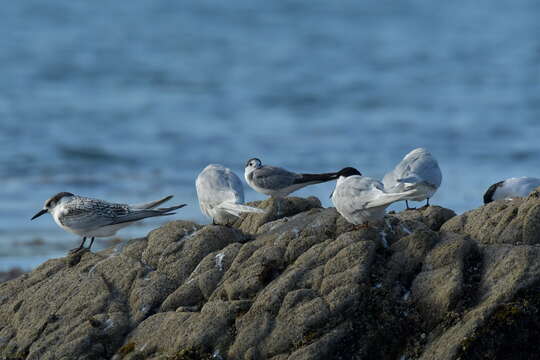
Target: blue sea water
(129, 101)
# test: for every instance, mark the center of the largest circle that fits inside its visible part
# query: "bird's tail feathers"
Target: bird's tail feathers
(389, 198)
(164, 211)
(152, 204)
(237, 209)
(145, 213)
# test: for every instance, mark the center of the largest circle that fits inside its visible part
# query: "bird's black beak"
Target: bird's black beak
(44, 211)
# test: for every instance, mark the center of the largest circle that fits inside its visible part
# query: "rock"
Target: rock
(297, 282)
(501, 222)
(10, 274)
(432, 216)
(408, 255)
(499, 323)
(250, 223)
(444, 269)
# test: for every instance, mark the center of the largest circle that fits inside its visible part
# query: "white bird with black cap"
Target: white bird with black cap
(278, 182)
(511, 188)
(91, 218)
(362, 200)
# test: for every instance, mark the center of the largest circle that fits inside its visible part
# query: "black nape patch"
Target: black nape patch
(349, 171)
(488, 196)
(56, 198)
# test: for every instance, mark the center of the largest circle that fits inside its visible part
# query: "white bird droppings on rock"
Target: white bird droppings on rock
(406, 230)
(219, 261)
(406, 296)
(383, 239)
(109, 323)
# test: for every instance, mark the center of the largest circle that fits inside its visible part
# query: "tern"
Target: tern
(93, 218)
(511, 188)
(221, 194)
(418, 171)
(362, 200)
(278, 182)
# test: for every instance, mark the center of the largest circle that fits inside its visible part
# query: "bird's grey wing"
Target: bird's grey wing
(421, 167)
(428, 169)
(136, 215)
(390, 180)
(516, 187)
(272, 177)
(529, 184)
(235, 184)
(369, 193)
(364, 193)
(350, 193)
(86, 213)
(216, 185)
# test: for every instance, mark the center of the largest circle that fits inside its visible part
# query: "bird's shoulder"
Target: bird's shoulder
(267, 171)
(355, 184)
(522, 180)
(98, 207)
(422, 167)
(218, 186)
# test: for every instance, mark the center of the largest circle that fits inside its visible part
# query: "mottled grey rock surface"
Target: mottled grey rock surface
(297, 282)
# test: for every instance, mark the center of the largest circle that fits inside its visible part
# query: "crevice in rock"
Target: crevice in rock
(511, 332)
(381, 324)
(472, 276)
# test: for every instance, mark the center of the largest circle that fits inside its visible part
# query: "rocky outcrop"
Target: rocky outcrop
(297, 282)
(10, 274)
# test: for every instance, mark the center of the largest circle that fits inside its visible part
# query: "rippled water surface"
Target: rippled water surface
(129, 101)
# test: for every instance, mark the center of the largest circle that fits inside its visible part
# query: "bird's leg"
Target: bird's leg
(91, 242)
(427, 204)
(407, 204)
(72, 251)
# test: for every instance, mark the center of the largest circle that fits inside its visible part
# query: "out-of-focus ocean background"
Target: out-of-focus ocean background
(129, 101)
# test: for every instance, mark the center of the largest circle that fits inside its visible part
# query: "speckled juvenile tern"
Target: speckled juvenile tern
(93, 218)
(418, 171)
(278, 182)
(221, 194)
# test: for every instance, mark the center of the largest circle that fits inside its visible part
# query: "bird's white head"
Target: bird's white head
(51, 203)
(252, 164)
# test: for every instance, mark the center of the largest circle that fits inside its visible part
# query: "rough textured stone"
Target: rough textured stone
(444, 269)
(297, 282)
(501, 222)
(432, 216)
(275, 209)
